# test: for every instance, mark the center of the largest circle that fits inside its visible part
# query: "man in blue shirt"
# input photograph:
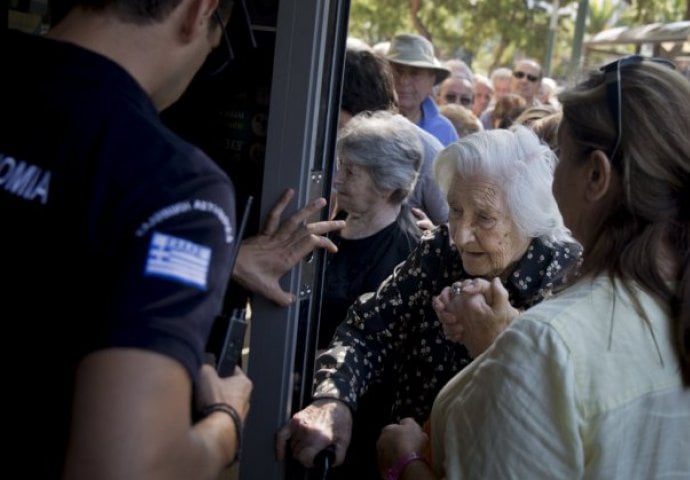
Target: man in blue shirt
(416, 70)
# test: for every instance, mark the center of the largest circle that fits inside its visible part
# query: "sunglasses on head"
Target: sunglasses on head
(462, 100)
(520, 75)
(612, 81)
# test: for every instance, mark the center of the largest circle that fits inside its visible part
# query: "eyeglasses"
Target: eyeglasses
(520, 75)
(228, 56)
(612, 81)
(465, 101)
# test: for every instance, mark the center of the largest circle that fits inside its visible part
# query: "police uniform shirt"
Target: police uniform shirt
(115, 232)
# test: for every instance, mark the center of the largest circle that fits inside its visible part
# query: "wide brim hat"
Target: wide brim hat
(416, 51)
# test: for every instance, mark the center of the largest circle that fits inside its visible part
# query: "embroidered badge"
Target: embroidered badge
(178, 259)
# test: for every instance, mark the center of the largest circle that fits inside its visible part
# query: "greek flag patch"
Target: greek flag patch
(178, 259)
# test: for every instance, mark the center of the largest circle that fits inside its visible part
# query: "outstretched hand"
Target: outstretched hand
(264, 258)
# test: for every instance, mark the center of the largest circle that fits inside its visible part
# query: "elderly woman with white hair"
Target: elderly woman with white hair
(593, 382)
(504, 223)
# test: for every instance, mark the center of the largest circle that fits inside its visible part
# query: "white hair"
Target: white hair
(381, 48)
(517, 160)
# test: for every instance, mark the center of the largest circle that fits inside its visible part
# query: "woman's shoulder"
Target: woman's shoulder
(573, 298)
(595, 324)
(437, 255)
(558, 260)
(563, 250)
(542, 268)
(587, 304)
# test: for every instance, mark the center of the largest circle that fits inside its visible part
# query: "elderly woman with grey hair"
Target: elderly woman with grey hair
(504, 223)
(379, 155)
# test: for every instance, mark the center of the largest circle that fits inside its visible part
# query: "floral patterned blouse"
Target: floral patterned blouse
(394, 335)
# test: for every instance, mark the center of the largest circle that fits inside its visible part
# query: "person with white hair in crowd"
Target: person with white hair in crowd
(593, 382)
(483, 93)
(504, 227)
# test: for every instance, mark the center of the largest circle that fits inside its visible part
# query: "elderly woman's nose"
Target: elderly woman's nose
(464, 234)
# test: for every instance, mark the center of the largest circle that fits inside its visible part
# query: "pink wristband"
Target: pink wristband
(396, 471)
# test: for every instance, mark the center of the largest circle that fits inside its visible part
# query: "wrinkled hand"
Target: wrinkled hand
(263, 259)
(311, 430)
(398, 439)
(477, 315)
(423, 220)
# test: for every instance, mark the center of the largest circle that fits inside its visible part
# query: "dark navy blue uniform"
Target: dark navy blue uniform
(115, 232)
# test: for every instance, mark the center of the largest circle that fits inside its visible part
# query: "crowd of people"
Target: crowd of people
(593, 382)
(501, 336)
(470, 100)
(508, 271)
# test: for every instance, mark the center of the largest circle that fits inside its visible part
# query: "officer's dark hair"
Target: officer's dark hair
(137, 11)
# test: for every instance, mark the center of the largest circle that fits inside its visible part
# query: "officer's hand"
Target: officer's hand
(263, 259)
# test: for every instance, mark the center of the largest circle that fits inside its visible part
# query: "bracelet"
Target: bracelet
(236, 419)
(396, 471)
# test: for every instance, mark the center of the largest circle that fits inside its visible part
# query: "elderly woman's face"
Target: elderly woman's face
(487, 239)
(355, 189)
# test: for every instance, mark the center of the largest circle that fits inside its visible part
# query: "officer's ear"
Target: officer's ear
(193, 18)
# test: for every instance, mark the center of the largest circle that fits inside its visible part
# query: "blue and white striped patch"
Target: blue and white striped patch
(178, 259)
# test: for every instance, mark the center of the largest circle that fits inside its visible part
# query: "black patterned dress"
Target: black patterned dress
(393, 338)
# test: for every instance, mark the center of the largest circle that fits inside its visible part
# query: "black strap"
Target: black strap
(323, 462)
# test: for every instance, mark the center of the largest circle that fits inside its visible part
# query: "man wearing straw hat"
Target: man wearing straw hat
(416, 71)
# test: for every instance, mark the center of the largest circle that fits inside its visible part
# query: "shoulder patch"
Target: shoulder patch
(178, 259)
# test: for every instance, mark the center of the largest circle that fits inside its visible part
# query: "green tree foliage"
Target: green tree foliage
(604, 14)
(491, 33)
(650, 11)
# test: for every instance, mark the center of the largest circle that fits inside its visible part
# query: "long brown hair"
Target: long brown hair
(651, 220)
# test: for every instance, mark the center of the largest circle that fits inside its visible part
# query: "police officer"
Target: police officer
(116, 239)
